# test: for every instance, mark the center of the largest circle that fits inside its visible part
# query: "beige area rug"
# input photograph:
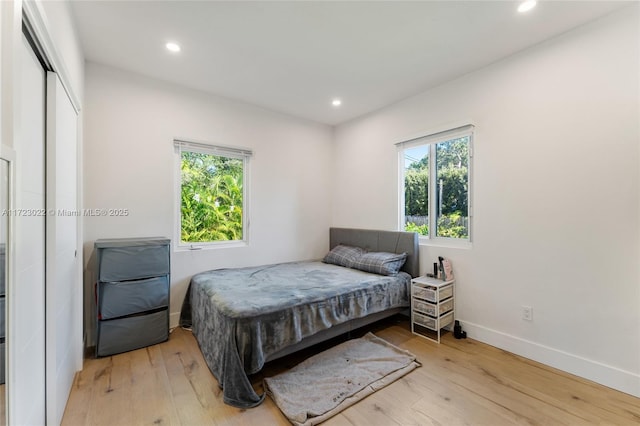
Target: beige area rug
(325, 384)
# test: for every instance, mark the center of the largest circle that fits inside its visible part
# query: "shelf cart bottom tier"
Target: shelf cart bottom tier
(126, 334)
(432, 323)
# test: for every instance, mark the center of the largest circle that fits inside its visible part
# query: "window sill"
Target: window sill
(210, 246)
(446, 243)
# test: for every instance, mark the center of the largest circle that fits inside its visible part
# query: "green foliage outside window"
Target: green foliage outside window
(452, 226)
(416, 195)
(453, 164)
(211, 198)
(451, 190)
(420, 229)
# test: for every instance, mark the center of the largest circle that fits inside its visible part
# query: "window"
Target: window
(213, 202)
(435, 184)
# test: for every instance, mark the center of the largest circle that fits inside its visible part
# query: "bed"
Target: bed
(244, 317)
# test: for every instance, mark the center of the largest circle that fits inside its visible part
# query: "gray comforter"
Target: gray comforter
(241, 316)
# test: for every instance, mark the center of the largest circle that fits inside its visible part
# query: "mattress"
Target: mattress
(241, 316)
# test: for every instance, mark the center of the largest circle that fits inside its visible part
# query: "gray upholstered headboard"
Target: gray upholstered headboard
(374, 240)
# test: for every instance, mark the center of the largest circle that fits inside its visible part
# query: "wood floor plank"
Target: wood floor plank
(440, 394)
(338, 420)
(540, 383)
(367, 412)
(391, 404)
(78, 405)
(191, 384)
(150, 388)
(485, 383)
(461, 382)
(111, 397)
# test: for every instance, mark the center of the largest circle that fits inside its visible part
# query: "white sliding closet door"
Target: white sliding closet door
(64, 289)
(27, 302)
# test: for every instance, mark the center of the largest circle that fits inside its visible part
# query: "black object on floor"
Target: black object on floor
(457, 331)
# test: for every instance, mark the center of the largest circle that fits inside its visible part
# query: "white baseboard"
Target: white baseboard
(615, 378)
(174, 319)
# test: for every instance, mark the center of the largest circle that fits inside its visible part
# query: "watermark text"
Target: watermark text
(64, 212)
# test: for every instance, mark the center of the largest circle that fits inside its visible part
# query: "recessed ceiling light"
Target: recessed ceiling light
(336, 102)
(526, 6)
(172, 47)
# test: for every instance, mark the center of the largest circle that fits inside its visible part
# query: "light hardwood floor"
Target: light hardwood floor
(461, 382)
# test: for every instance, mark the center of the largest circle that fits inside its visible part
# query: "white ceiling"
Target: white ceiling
(295, 56)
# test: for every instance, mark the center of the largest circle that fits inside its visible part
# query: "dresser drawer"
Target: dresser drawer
(432, 323)
(117, 299)
(130, 263)
(126, 334)
(430, 309)
(431, 293)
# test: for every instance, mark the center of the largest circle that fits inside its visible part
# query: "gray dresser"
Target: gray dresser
(132, 293)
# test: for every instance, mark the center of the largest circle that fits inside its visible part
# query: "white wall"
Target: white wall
(556, 189)
(130, 123)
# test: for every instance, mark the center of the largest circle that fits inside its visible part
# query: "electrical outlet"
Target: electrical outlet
(527, 313)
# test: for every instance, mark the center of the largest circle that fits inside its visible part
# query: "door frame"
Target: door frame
(13, 15)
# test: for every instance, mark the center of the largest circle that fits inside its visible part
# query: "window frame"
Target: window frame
(431, 140)
(243, 154)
